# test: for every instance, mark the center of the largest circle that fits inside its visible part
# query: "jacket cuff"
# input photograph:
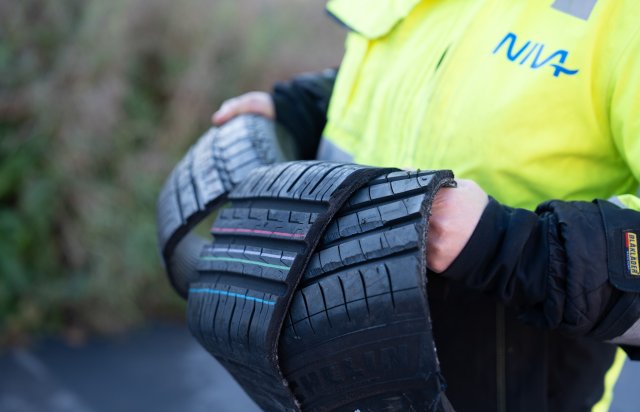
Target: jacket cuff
(506, 256)
(622, 227)
(482, 245)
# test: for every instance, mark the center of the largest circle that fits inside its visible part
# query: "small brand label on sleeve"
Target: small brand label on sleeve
(631, 250)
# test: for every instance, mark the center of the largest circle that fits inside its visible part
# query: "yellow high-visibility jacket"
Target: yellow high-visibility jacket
(534, 100)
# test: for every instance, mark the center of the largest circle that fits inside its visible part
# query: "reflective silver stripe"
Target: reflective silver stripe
(630, 337)
(329, 151)
(577, 8)
(616, 201)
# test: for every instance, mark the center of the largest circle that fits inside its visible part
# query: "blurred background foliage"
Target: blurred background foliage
(98, 101)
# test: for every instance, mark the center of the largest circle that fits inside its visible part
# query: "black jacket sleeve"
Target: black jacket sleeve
(566, 266)
(301, 107)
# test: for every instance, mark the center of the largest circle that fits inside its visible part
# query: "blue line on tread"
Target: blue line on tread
(225, 293)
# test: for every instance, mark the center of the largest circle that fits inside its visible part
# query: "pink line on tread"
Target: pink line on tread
(256, 231)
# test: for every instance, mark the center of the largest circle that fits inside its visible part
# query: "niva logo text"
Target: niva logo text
(533, 54)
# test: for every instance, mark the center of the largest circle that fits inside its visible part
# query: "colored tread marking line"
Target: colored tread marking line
(256, 231)
(248, 262)
(225, 293)
(252, 252)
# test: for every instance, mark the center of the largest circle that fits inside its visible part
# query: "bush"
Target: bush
(98, 100)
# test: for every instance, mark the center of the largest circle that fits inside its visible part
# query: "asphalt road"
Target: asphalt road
(160, 369)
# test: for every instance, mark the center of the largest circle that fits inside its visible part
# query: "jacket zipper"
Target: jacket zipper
(501, 359)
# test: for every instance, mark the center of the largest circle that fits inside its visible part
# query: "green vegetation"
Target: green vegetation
(98, 100)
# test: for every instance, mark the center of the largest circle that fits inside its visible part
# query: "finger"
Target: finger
(228, 110)
(254, 102)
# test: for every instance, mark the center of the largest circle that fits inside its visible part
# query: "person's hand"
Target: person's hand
(259, 103)
(455, 213)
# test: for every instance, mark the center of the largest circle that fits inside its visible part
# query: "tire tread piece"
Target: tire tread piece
(361, 292)
(199, 183)
(256, 221)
